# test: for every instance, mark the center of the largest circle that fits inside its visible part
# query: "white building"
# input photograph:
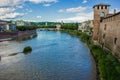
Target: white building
(86, 26)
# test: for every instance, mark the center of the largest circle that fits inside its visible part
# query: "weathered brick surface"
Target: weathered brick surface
(112, 31)
(97, 13)
(107, 31)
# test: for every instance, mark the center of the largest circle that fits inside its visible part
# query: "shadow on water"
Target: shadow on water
(14, 54)
(27, 53)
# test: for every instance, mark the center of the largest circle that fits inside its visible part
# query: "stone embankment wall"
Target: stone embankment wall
(17, 35)
(109, 34)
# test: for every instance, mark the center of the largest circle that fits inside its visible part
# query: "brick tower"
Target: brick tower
(100, 11)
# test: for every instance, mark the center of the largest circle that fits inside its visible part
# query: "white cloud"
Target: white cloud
(80, 14)
(3, 11)
(30, 20)
(43, 1)
(80, 17)
(61, 10)
(11, 2)
(8, 7)
(39, 17)
(28, 10)
(11, 15)
(84, 1)
(75, 9)
(20, 6)
(46, 5)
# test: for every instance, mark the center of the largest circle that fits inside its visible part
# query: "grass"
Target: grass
(108, 67)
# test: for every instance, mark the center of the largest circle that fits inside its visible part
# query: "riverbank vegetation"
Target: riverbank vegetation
(49, 26)
(108, 67)
(24, 28)
(70, 26)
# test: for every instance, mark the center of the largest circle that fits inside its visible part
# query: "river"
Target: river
(55, 56)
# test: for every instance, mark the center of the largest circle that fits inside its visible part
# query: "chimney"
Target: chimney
(114, 11)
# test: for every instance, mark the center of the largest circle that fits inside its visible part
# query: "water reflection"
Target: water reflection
(55, 56)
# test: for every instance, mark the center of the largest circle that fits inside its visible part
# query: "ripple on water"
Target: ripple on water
(55, 56)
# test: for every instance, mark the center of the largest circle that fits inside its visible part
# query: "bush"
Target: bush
(49, 26)
(27, 49)
(24, 28)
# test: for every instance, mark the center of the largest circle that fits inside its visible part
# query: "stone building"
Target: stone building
(107, 28)
(7, 26)
(86, 27)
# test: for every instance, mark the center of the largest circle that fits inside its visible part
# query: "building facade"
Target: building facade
(7, 26)
(86, 26)
(100, 11)
(107, 28)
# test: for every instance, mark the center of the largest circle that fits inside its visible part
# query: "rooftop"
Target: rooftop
(101, 5)
(112, 15)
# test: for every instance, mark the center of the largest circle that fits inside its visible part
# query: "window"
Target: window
(115, 40)
(101, 7)
(98, 7)
(102, 14)
(105, 27)
(105, 7)
(104, 36)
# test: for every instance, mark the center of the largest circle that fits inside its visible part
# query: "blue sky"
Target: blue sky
(51, 10)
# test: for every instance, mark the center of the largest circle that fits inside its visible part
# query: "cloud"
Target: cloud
(39, 17)
(72, 10)
(3, 11)
(8, 8)
(43, 1)
(61, 10)
(80, 14)
(28, 10)
(30, 20)
(77, 9)
(46, 5)
(80, 17)
(11, 15)
(11, 2)
(20, 6)
(84, 1)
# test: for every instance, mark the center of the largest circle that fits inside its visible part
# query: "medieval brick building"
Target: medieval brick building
(107, 28)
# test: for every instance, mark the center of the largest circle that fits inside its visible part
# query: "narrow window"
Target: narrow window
(105, 27)
(98, 7)
(102, 15)
(115, 41)
(105, 7)
(101, 7)
(104, 36)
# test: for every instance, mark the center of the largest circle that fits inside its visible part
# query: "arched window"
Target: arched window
(102, 14)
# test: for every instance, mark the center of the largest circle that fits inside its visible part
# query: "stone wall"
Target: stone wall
(98, 9)
(17, 35)
(109, 34)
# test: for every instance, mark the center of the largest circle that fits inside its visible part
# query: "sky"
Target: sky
(52, 10)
